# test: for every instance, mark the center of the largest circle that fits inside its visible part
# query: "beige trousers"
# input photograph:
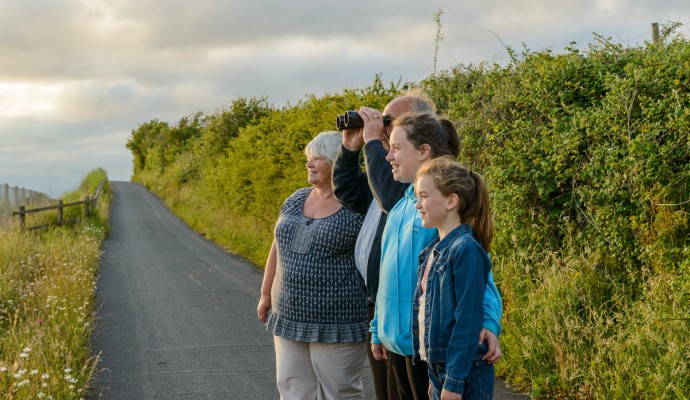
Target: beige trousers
(319, 371)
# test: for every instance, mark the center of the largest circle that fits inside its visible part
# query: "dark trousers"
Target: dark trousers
(412, 379)
(385, 385)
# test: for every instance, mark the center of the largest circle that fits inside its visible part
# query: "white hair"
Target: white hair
(326, 145)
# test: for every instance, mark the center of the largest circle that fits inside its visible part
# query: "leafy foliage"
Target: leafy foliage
(588, 157)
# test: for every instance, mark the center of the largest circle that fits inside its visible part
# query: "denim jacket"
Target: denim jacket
(454, 312)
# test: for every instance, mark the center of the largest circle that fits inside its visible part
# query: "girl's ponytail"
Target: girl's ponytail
(479, 212)
(452, 138)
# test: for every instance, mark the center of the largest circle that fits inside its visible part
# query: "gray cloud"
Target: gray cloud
(77, 77)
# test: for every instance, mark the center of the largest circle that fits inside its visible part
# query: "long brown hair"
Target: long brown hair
(450, 177)
(425, 128)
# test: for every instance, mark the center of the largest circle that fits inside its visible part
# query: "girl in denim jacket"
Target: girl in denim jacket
(452, 277)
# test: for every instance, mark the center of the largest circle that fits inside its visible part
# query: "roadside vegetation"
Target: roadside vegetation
(47, 293)
(587, 153)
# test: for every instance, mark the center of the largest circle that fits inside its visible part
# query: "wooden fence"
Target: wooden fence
(89, 203)
(11, 198)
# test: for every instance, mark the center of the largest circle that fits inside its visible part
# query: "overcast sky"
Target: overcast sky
(77, 76)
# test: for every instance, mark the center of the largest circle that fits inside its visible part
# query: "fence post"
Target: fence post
(87, 203)
(22, 217)
(5, 204)
(656, 39)
(60, 212)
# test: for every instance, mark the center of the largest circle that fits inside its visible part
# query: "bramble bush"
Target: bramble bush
(588, 157)
(587, 153)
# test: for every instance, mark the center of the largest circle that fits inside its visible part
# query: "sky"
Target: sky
(78, 76)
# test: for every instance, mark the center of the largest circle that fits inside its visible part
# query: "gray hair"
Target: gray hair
(326, 145)
(421, 101)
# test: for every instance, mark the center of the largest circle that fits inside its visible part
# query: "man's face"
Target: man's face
(393, 110)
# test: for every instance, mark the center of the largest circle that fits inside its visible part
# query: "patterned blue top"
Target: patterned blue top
(317, 295)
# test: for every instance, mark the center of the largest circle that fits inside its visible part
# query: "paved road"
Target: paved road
(177, 313)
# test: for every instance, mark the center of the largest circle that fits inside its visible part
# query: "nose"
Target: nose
(389, 155)
(418, 204)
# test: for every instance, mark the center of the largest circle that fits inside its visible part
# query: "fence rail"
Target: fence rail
(89, 203)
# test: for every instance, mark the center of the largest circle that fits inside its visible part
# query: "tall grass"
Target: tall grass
(47, 288)
(576, 338)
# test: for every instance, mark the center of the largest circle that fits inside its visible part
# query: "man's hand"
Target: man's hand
(353, 139)
(379, 352)
(494, 353)
(373, 124)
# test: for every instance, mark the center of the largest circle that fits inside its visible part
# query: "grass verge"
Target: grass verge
(47, 291)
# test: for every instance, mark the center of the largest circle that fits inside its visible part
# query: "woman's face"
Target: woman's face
(318, 171)
(403, 156)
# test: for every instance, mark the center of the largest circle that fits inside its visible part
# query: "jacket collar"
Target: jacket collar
(409, 193)
(460, 230)
(437, 247)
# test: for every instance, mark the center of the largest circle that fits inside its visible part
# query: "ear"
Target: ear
(453, 202)
(424, 152)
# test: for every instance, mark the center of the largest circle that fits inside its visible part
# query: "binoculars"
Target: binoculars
(352, 120)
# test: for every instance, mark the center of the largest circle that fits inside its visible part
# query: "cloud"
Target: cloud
(76, 76)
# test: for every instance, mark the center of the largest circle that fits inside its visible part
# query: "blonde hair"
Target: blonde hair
(451, 177)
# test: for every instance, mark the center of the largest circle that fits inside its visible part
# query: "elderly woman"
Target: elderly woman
(311, 297)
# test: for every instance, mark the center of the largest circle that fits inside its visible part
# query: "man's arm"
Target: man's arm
(350, 185)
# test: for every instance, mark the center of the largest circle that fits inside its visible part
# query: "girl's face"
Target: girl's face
(403, 156)
(432, 205)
